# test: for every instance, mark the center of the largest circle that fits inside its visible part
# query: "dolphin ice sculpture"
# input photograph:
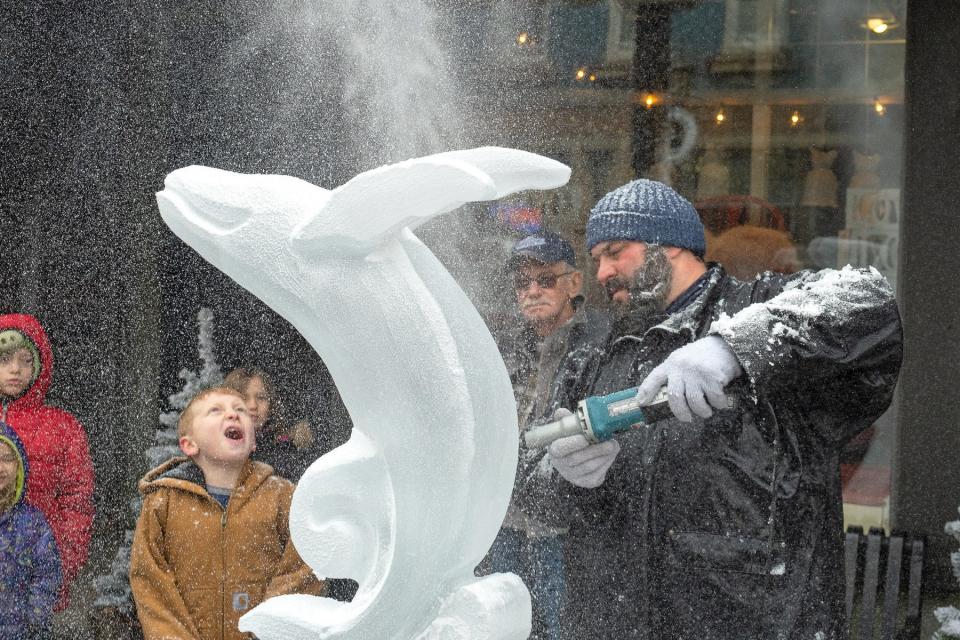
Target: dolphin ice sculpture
(411, 503)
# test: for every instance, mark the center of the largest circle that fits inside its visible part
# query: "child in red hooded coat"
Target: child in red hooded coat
(61, 481)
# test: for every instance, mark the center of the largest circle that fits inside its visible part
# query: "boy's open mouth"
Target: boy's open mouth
(234, 433)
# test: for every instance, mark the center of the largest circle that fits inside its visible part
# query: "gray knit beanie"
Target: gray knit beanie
(646, 211)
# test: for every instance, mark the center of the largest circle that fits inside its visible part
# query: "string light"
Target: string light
(650, 100)
(795, 118)
(720, 117)
(879, 107)
(878, 25)
(881, 22)
(523, 38)
(584, 73)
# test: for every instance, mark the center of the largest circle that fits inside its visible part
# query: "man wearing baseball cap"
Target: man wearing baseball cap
(724, 521)
(546, 281)
(555, 332)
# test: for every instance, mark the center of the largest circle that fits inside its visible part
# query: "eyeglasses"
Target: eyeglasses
(545, 280)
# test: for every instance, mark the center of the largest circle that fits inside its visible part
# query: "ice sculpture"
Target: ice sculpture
(411, 503)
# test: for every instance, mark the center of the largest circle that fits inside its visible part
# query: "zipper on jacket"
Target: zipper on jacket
(223, 564)
(224, 597)
(223, 568)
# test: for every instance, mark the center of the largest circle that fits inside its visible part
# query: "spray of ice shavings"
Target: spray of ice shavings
(545, 467)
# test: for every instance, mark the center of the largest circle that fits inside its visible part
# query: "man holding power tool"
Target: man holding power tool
(725, 520)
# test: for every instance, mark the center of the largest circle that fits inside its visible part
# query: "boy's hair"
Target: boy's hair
(186, 416)
(12, 341)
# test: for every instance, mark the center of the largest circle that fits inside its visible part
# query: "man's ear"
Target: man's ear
(188, 446)
(674, 252)
(576, 283)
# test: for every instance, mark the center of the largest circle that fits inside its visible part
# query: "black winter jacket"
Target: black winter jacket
(563, 354)
(731, 528)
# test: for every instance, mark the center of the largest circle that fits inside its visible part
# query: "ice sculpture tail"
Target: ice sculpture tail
(410, 504)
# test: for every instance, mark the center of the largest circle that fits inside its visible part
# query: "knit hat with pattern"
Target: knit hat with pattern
(646, 211)
(11, 340)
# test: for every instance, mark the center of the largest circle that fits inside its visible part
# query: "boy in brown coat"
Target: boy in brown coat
(212, 540)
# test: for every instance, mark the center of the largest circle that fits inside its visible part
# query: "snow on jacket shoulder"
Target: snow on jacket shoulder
(196, 567)
(61, 481)
(29, 566)
(831, 336)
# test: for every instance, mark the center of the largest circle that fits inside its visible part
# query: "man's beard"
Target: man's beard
(650, 286)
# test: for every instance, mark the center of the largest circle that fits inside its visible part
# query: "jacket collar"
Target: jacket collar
(692, 317)
(182, 473)
(186, 469)
(689, 320)
(579, 318)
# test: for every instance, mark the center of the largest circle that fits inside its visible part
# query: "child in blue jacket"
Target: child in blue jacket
(29, 565)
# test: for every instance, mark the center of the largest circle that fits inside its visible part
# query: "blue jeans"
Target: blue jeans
(539, 563)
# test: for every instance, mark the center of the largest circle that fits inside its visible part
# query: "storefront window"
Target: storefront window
(799, 111)
(782, 120)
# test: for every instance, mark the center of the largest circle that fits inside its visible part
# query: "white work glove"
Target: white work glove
(580, 462)
(695, 376)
